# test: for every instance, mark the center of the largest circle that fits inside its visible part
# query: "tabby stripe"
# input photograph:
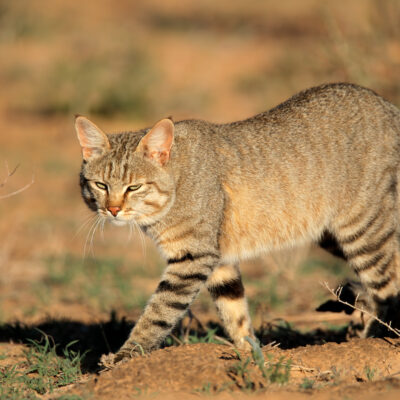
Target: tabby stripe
(159, 189)
(383, 301)
(177, 305)
(161, 324)
(186, 257)
(151, 203)
(365, 266)
(380, 284)
(393, 185)
(353, 237)
(125, 171)
(382, 187)
(354, 221)
(109, 169)
(197, 277)
(172, 227)
(370, 248)
(189, 257)
(232, 289)
(383, 268)
(177, 288)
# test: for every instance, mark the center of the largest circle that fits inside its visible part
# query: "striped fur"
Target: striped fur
(323, 167)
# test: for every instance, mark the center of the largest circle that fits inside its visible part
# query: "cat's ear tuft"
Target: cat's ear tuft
(156, 144)
(93, 140)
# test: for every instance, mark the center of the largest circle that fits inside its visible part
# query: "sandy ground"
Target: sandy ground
(335, 370)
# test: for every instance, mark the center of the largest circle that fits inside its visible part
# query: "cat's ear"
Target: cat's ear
(93, 140)
(156, 144)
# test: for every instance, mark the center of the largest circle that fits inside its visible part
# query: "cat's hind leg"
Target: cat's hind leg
(226, 288)
(369, 239)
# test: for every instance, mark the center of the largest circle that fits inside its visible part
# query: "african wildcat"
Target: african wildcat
(325, 162)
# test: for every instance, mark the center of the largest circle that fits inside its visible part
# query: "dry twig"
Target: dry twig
(8, 176)
(337, 294)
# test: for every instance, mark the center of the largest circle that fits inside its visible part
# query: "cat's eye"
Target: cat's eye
(132, 188)
(101, 185)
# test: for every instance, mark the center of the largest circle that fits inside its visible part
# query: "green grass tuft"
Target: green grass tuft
(307, 384)
(42, 371)
(272, 372)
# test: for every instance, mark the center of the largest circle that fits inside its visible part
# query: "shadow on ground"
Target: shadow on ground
(99, 338)
(92, 339)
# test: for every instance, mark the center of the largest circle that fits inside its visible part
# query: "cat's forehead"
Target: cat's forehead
(124, 142)
(121, 164)
(119, 167)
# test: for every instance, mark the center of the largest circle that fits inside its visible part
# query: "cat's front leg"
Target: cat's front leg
(181, 282)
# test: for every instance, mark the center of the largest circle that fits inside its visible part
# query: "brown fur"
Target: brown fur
(322, 165)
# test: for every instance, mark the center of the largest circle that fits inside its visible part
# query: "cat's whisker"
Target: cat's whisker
(102, 228)
(86, 239)
(97, 224)
(84, 213)
(141, 236)
(85, 223)
(92, 227)
(130, 231)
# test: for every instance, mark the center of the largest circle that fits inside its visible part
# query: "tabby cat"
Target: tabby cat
(323, 164)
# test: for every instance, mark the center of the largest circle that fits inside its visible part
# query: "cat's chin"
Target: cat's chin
(118, 222)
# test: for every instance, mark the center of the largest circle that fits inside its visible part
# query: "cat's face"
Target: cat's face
(124, 178)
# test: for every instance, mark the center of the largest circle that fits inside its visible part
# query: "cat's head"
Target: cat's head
(125, 177)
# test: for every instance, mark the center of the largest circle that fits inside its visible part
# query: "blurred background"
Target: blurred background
(127, 64)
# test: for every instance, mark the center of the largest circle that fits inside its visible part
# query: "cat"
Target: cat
(322, 166)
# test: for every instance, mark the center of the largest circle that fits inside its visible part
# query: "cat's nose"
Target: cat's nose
(114, 210)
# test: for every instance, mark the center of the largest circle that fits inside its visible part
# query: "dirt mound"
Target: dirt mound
(359, 367)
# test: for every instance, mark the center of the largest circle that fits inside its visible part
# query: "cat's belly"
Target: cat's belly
(253, 225)
(244, 241)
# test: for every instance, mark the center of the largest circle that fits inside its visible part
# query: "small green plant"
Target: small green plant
(41, 372)
(211, 389)
(369, 372)
(205, 389)
(271, 372)
(307, 384)
(139, 392)
(209, 337)
(278, 372)
(242, 375)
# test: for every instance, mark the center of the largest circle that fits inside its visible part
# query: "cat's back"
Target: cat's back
(338, 112)
(327, 106)
(323, 121)
(334, 134)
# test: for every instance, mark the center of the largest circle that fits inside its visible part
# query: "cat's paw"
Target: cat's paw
(126, 352)
(111, 360)
(107, 361)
